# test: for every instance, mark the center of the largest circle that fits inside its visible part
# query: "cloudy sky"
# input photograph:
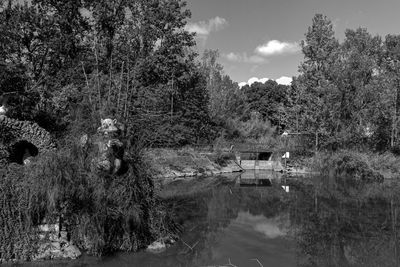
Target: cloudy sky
(259, 39)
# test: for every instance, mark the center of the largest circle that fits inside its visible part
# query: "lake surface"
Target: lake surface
(243, 221)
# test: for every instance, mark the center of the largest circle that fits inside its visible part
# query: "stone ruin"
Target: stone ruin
(21, 140)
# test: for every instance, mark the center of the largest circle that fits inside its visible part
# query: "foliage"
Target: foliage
(345, 90)
(257, 128)
(347, 165)
(132, 60)
(270, 99)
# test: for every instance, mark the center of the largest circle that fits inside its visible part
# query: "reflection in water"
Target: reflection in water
(258, 178)
(320, 222)
(269, 227)
(339, 224)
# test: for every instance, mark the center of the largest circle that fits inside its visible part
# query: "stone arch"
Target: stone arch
(21, 150)
(25, 138)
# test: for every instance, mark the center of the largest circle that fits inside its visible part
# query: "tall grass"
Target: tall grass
(103, 212)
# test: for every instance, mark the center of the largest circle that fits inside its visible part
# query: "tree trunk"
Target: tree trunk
(394, 134)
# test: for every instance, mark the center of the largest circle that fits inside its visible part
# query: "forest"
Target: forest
(67, 64)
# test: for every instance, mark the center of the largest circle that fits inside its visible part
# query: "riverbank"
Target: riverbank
(186, 162)
(383, 166)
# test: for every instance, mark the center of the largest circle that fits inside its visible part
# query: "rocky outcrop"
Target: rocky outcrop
(54, 244)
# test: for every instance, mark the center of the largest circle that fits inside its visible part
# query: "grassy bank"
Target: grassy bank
(188, 162)
(359, 165)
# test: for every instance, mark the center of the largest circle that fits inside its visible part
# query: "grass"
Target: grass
(103, 212)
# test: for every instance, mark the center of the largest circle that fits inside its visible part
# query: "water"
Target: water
(234, 222)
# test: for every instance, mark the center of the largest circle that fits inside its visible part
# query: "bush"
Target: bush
(387, 161)
(347, 165)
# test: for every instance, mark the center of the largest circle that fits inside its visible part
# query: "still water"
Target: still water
(249, 221)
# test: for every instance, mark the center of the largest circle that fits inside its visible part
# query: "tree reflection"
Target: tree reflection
(339, 225)
(206, 213)
(334, 222)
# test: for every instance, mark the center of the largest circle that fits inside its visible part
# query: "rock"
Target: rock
(48, 250)
(157, 247)
(57, 251)
(108, 126)
(84, 140)
(71, 252)
(49, 227)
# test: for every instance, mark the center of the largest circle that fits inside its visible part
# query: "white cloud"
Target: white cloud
(244, 58)
(242, 84)
(204, 28)
(275, 47)
(255, 79)
(284, 80)
(271, 228)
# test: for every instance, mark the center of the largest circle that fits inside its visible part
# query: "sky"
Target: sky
(259, 39)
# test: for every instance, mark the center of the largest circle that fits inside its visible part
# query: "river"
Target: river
(273, 221)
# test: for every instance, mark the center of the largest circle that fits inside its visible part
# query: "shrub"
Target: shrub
(345, 164)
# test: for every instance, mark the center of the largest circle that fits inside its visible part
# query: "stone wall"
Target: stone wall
(13, 131)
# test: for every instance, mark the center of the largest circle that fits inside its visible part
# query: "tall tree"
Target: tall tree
(320, 49)
(391, 68)
(353, 76)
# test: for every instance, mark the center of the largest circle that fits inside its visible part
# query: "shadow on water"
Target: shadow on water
(319, 222)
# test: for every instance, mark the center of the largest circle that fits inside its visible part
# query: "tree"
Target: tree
(270, 99)
(352, 88)
(391, 69)
(40, 40)
(320, 49)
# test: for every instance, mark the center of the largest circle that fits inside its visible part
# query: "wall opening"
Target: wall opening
(21, 151)
(264, 156)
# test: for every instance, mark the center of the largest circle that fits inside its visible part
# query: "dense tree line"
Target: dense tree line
(65, 64)
(348, 91)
